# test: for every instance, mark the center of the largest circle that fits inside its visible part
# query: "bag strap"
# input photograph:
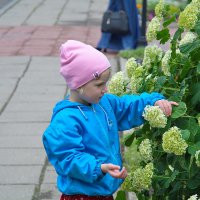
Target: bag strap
(122, 5)
(114, 2)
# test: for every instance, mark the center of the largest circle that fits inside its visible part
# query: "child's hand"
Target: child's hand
(166, 106)
(114, 170)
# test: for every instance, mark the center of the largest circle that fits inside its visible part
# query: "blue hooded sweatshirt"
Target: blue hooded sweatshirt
(80, 138)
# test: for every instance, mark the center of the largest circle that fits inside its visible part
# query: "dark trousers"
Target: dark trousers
(85, 197)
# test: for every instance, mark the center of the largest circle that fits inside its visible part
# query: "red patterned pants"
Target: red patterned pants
(85, 197)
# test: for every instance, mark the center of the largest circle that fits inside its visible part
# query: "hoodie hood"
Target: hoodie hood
(65, 104)
(81, 107)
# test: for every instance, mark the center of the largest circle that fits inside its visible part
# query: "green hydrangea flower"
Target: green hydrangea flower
(145, 150)
(197, 157)
(140, 179)
(165, 63)
(135, 84)
(189, 17)
(172, 141)
(189, 37)
(150, 82)
(197, 2)
(130, 67)
(116, 85)
(155, 116)
(152, 55)
(139, 71)
(153, 28)
(160, 9)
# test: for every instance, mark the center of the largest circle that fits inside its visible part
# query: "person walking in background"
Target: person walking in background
(117, 42)
(82, 141)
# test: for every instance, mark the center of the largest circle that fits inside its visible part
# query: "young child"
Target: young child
(82, 141)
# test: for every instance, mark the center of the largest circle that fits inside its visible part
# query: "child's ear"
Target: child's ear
(80, 90)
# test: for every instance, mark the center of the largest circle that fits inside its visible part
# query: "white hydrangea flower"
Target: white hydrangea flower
(197, 157)
(150, 83)
(139, 71)
(197, 2)
(189, 16)
(145, 150)
(139, 179)
(165, 63)
(155, 116)
(148, 77)
(142, 178)
(135, 84)
(189, 37)
(193, 197)
(130, 66)
(160, 9)
(116, 84)
(173, 141)
(152, 54)
(171, 168)
(153, 28)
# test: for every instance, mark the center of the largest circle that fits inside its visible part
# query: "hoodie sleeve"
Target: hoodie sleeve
(128, 109)
(63, 144)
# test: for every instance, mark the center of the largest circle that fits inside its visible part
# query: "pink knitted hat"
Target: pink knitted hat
(80, 63)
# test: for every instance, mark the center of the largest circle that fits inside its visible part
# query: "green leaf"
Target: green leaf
(163, 36)
(128, 140)
(188, 123)
(183, 163)
(184, 72)
(176, 187)
(193, 148)
(195, 93)
(198, 68)
(194, 55)
(174, 98)
(169, 21)
(197, 27)
(121, 195)
(185, 134)
(189, 47)
(192, 126)
(160, 82)
(177, 34)
(197, 136)
(171, 179)
(145, 128)
(194, 182)
(176, 37)
(179, 110)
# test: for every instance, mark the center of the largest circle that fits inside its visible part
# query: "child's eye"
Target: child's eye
(101, 84)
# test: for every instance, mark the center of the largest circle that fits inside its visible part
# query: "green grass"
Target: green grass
(136, 53)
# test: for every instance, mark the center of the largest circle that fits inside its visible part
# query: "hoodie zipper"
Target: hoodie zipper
(103, 128)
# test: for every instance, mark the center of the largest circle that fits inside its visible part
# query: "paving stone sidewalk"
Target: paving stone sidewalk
(37, 28)
(30, 84)
(31, 33)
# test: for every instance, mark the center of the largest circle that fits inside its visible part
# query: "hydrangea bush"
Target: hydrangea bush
(169, 148)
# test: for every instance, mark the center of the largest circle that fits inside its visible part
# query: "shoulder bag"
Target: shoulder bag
(115, 22)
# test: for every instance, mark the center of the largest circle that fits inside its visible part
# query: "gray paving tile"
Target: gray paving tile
(22, 129)
(16, 192)
(22, 175)
(17, 141)
(19, 156)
